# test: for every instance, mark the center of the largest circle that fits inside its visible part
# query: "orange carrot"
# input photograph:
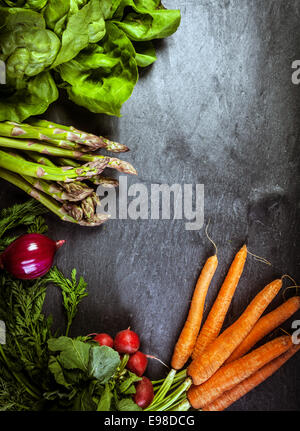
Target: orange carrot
(238, 391)
(188, 336)
(215, 319)
(232, 374)
(265, 325)
(214, 356)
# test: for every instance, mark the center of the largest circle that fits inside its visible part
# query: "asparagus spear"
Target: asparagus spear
(88, 208)
(79, 213)
(107, 144)
(49, 203)
(76, 193)
(107, 182)
(58, 193)
(75, 188)
(97, 220)
(25, 131)
(114, 147)
(63, 161)
(64, 174)
(37, 122)
(28, 145)
(60, 135)
(61, 211)
(74, 210)
(38, 158)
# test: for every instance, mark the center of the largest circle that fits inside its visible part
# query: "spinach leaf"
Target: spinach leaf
(88, 42)
(128, 405)
(118, 6)
(149, 4)
(85, 26)
(55, 14)
(105, 400)
(102, 77)
(148, 19)
(84, 400)
(57, 371)
(32, 98)
(103, 363)
(73, 353)
(26, 46)
(145, 53)
(30, 4)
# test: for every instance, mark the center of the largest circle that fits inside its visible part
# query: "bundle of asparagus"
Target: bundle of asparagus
(58, 166)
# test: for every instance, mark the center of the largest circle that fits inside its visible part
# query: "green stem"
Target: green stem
(183, 406)
(124, 361)
(57, 192)
(68, 327)
(172, 398)
(25, 131)
(8, 161)
(22, 406)
(165, 387)
(38, 158)
(54, 135)
(181, 375)
(73, 192)
(50, 188)
(112, 162)
(97, 179)
(102, 142)
(29, 388)
(48, 202)
(62, 161)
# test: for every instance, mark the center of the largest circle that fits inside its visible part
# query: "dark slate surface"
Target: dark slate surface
(218, 108)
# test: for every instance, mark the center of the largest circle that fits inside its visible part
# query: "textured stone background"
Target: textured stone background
(217, 108)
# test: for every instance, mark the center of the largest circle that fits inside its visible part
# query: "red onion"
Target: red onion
(29, 256)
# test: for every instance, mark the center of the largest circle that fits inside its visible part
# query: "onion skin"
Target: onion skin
(30, 256)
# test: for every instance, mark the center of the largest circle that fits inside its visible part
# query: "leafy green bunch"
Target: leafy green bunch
(45, 370)
(90, 48)
(89, 376)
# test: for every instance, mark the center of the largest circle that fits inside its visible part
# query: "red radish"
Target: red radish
(144, 393)
(137, 363)
(127, 341)
(104, 340)
(29, 256)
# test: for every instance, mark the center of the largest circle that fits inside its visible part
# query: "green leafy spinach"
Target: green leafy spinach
(91, 48)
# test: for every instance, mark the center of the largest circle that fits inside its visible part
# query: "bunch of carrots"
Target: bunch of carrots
(222, 370)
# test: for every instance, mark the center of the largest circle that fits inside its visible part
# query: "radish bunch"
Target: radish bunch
(128, 342)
